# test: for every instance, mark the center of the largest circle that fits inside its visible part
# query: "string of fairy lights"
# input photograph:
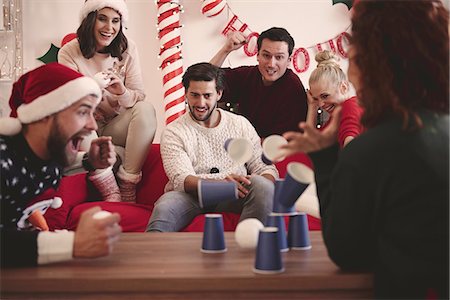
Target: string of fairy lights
(11, 52)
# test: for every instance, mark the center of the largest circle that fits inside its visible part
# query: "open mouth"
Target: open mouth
(201, 110)
(329, 108)
(271, 72)
(106, 34)
(75, 143)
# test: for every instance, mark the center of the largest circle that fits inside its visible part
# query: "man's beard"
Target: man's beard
(56, 145)
(206, 117)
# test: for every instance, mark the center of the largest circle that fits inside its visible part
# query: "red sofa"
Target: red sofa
(77, 197)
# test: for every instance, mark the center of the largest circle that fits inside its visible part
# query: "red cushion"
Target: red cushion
(298, 157)
(73, 191)
(134, 217)
(154, 178)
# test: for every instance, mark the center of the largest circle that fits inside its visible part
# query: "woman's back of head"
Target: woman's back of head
(402, 53)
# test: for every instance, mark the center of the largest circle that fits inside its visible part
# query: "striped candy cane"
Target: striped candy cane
(171, 59)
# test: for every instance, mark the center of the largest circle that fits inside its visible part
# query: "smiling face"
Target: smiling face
(327, 95)
(202, 98)
(68, 129)
(273, 60)
(106, 27)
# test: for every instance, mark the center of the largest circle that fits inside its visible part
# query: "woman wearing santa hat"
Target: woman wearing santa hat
(103, 52)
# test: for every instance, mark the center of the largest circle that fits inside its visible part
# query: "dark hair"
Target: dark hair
(86, 39)
(277, 34)
(402, 51)
(204, 72)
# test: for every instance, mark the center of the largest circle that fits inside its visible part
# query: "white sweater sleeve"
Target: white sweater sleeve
(133, 79)
(55, 246)
(176, 161)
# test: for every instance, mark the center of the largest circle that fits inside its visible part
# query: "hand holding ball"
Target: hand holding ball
(247, 233)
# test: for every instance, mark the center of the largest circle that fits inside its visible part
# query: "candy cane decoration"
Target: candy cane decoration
(212, 8)
(171, 59)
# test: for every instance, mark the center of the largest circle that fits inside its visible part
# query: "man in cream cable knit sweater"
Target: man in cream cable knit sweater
(192, 148)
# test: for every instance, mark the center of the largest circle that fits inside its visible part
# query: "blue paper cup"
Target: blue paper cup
(298, 233)
(212, 192)
(298, 177)
(240, 150)
(274, 220)
(268, 256)
(213, 236)
(271, 149)
(278, 207)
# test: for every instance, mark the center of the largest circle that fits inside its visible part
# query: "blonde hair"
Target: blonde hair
(327, 70)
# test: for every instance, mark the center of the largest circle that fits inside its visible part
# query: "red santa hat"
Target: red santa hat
(44, 91)
(94, 5)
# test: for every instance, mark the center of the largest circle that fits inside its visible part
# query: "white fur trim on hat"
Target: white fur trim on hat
(10, 126)
(58, 99)
(94, 5)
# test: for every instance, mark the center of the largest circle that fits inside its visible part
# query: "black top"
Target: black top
(24, 176)
(384, 203)
(272, 109)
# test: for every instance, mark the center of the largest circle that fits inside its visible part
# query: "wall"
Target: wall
(309, 22)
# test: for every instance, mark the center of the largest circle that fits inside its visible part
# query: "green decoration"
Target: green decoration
(50, 56)
(349, 3)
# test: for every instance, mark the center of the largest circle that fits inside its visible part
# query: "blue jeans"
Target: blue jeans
(175, 210)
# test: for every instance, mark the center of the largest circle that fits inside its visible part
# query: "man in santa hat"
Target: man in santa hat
(51, 112)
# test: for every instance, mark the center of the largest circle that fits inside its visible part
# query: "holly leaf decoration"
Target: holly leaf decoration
(349, 3)
(50, 56)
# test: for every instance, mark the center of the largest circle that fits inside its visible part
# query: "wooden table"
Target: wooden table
(171, 266)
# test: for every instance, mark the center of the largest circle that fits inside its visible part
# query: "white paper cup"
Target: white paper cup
(240, 150)
(271, 149)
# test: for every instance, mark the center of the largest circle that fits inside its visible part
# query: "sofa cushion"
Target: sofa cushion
(134, 217)
(154, 178)
(73, 191)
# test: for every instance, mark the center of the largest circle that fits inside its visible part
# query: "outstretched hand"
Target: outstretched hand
(311, 139)
(102, 154)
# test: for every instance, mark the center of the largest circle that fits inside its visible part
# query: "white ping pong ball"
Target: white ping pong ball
(101, 214)
(101, 79)
(247, 232)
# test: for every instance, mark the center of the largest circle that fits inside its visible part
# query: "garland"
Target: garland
(300, 58)
(172, 60)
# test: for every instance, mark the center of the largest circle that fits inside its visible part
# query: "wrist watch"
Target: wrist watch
(86, 163)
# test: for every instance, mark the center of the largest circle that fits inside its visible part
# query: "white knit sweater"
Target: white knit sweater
(188, 148)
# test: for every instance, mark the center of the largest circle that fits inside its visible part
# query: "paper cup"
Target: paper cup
(277, 221)
(298, 233)
(213, 236)
(297, 179)
(268, 256)
(212, 192)
(271, 149)
(278, 207)
(239, 149)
